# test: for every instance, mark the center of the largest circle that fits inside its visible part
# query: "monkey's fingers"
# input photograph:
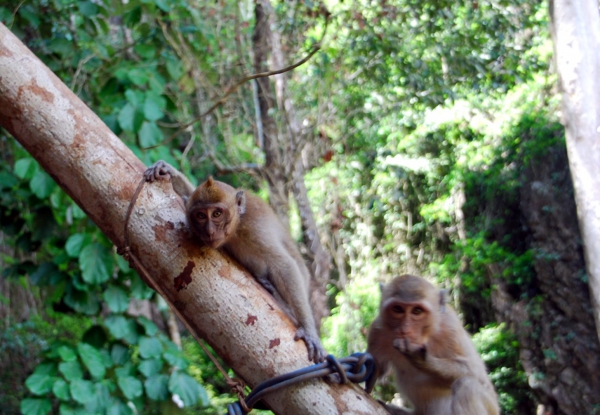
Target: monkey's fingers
(158, 171)
(316, 352)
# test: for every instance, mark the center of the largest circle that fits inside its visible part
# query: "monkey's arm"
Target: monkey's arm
(448, 369)
(161, 170)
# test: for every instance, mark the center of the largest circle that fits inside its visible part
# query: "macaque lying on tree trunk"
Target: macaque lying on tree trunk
(222, 217)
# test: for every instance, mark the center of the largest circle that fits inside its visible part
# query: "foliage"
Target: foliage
(500, 352)
(420, 115)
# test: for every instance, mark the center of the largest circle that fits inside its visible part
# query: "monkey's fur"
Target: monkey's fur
(244, 226)
(436, 366)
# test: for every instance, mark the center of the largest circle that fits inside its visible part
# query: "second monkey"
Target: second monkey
(248, 229)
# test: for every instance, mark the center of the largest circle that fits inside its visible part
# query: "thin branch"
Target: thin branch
(232, 89)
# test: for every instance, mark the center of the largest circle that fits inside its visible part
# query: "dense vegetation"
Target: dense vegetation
(423, 124)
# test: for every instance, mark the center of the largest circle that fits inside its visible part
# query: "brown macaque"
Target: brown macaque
(245, 227)
(436, 366)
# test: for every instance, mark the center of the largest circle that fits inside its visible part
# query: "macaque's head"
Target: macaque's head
(214, 211)
(410, 307)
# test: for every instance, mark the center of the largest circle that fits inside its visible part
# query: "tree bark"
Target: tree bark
(575, 28)
(214, 298)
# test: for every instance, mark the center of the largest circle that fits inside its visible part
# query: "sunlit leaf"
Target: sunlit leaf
(92, 359)
(131, 387)
(96, 263)
(42, 184)
(188, 389)
(150, 347)
(116, 299)
(157, 387)
(82, 390)
(31, 406)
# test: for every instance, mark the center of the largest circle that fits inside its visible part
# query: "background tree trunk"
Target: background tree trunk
(575, 28)
(213, 297)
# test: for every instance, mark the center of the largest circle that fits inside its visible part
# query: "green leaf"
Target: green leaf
(154, 106)
(87, 8)
(82, 301)
(42, 184)
(150, 135)
(163, 5)
(150, 367)
(138, 76)
(150, 347)
(130, 119)
(76, 242)
(157, 387)
(187, 388)
(175, 358)
(131, 387)
(40, 384)
(139, 289)
(119, 354)
(61, 390)
(31, 406)
(48, 368)
(82, 390)
(95, 262)
(65, 409)
(122, 328)
(7, 180)
(175, 69)
(67, 353)
(92, 360)
(71, 370)
(148, 325)
(101, 399)
(145, 51)
(116, 299)
(118, 407)
(26, 168)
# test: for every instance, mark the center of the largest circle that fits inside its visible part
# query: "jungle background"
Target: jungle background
(418, 137)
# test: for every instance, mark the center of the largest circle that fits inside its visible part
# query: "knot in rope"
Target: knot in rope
(357, 368)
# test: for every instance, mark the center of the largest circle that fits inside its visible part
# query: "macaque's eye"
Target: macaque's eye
(397, 309)
(201, 215)
(417, 310)
(217, 213)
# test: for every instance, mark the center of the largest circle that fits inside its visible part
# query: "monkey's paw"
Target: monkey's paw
(158, 171)
(316, 352)
(415, 352)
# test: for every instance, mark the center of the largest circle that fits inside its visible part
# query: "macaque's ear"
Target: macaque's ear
(240, 201)
(442, 300)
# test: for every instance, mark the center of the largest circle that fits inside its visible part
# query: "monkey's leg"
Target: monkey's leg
(289, 283)
(470, 398)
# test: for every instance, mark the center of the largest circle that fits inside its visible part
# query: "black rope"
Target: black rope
(357, 368)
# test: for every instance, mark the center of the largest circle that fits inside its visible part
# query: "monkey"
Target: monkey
(436, 366)
(246, 227)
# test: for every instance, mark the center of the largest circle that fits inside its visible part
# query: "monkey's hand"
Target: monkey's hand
(416, 353)
(158, 171)
(316, 352)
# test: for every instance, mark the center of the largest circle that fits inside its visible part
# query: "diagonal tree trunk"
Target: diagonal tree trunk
(575, 28)
(214, 298)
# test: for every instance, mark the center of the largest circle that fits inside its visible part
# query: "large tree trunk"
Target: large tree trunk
(575, 27)
(214, 298)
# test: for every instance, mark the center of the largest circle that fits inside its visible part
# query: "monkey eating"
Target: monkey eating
(245, 227)
(436, 366)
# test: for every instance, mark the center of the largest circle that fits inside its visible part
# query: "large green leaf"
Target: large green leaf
(148, 325)
(76, 242)
(61, 390)
(116, 299)
(122, 328)
(150, 367)
(187, 388)
(150, 135)
(42, 184)
(154, 106)
(130, 386)
(66, 409)
(150, 347)
(118, 407)
(92, 359)
(95, 262)
(130, 119)
(175, 358)
(67, 353)
(40, 384)
(157, 387)
(119, 354)
(82, 390)
(32, 406)
(26, 168)
(71, 370)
